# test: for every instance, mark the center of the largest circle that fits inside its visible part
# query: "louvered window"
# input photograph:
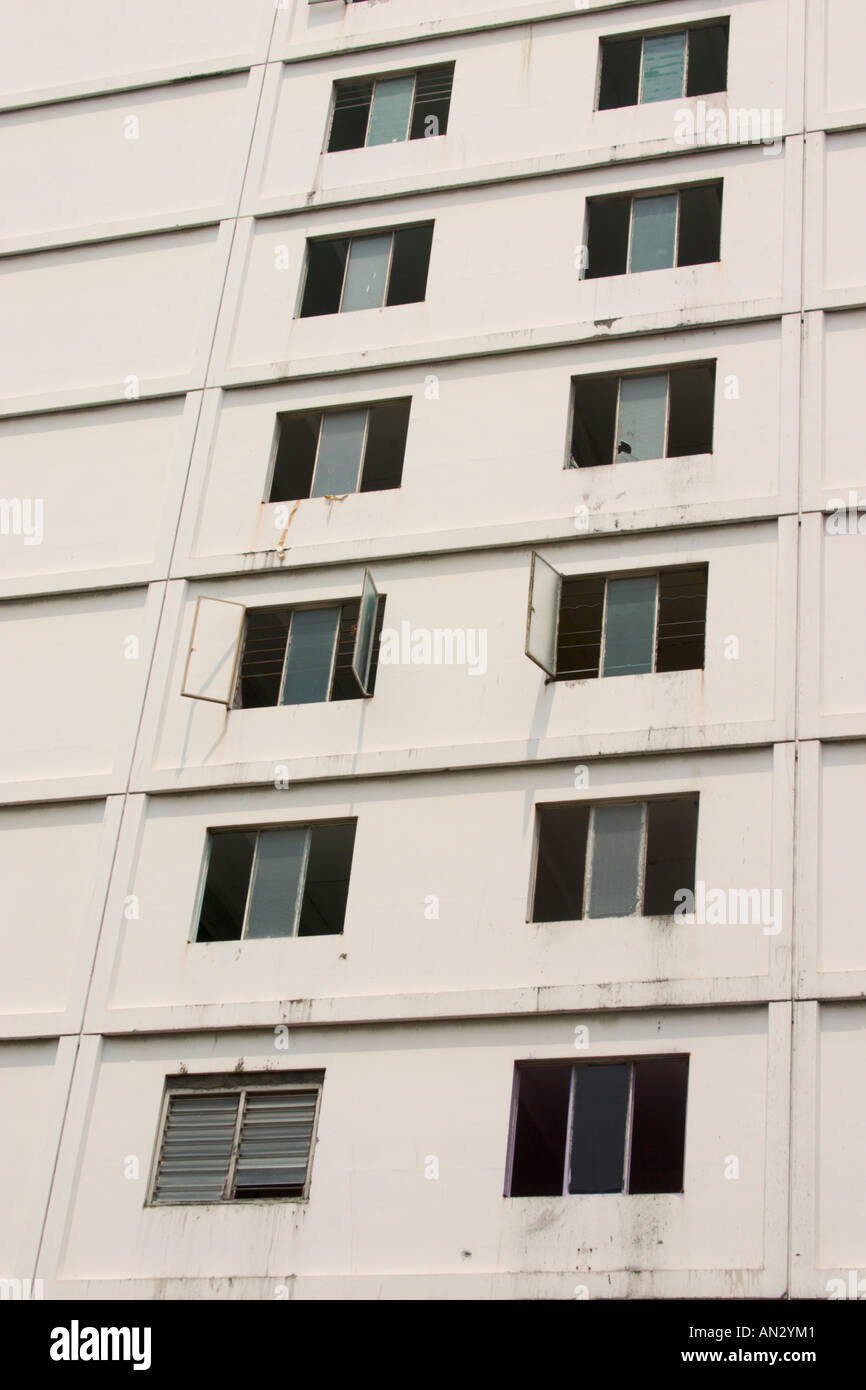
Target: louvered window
(229, 1145)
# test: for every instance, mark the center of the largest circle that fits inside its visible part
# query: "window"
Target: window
(284, 656)
(288, 881)
(623, 419)
(654, 231)
(382, 110)
(614, 859)
(367, 272)
(227, 1139)
(580, 627)
(661, 67)
(321, 453)
(301, 656)
(593, 1127)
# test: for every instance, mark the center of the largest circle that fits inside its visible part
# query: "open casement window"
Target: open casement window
(225, 1141)
(625, 419)
(613, 1126)
(654, 231)
(580, 627)
(384, 110)
(211, 663)
(367, 272)
(284, 656)
(614, 859)
(297, 656)
(281, 881)
(322, 453)
(663, 67)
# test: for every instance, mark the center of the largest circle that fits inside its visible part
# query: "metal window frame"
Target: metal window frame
(627, 574)
(590, 855)
(241, 1091)
(238, 657)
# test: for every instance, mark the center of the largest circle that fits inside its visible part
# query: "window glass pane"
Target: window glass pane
(598, 1128)
(642, 412)
(228, 878)
(276, 881)
(664, 67)
(363, 653)
(326, 882)
(311, 649)
(629, 626)
(615, 869)
(653, 235)
(340, 446)
(389, 118)
(365, 276)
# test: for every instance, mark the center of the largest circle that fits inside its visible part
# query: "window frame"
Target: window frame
(662, 370)
(322, 411)
(221, 1085)
(663, 191)
(662, 32)
(629, 1060)
(375, 78)
(644, 802)
(351, 237)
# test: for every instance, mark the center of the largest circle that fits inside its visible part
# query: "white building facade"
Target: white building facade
(423, 559)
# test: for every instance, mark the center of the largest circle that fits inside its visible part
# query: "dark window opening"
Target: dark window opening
(617, 419)
(614, 859)
(287, 881)
(225, 1142)
(663, 66)
(700, 224)
(581, 614)
(304, 655)
(599, 1127)
(389, 109)
(682, 619)
(620, 73)
(708, 59)
(366, 272)
(321, 453)
(654, 231)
